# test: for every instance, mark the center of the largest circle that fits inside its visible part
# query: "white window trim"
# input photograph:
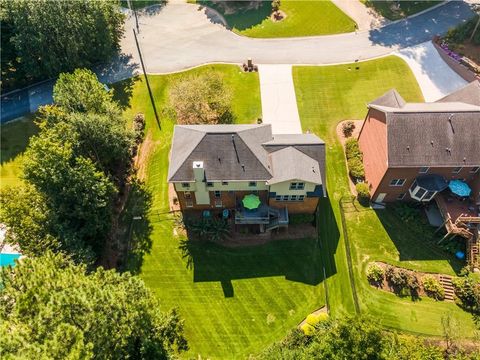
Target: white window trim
(397, 184)
(476, 168)
(252, 184)
(424, 172)
(401, 196)
(459, 169)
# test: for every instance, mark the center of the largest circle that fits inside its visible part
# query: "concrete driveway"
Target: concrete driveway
(279, 104)
(181, 36)
(435, 78)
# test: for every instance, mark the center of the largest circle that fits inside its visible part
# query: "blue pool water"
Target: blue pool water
(8, 259)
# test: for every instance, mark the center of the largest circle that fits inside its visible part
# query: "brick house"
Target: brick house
(215, 166)
(412, 150)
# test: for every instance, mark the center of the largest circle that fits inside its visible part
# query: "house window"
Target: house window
(301, 197)
(210, 184)
(297, 186)
(424, 170)
(457, 169)
(429, 195)
(224, 183)
(419, 193)
(285, 198)
(401, 196)
(474, 170)
(252, 183)
(217, 194)
(397, 182)
(293, 197)
(186, 185)
(278, 198)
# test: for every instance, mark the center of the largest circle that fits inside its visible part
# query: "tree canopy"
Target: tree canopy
(45, 38)
(52, 309)
(201, 99)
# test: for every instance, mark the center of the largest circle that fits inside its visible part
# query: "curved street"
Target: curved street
(182, 35)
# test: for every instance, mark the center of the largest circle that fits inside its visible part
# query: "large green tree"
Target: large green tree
(52, 309)
(79, 195)
(49, 37)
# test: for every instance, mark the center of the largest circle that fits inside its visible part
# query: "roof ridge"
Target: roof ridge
(254, 152)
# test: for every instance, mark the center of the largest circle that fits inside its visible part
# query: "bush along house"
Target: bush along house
(246, 171)
(427, 153)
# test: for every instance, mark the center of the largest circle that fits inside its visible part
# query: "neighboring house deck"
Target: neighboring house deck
(413, 151)
(213, 167)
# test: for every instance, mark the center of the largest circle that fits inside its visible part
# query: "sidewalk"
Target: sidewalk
(279, 103)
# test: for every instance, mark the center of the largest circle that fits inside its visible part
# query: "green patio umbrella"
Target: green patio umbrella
(251, 201)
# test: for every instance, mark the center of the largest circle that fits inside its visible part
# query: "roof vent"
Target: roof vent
(313, 169)
(408, 147)
(431, 142)
(243, 167)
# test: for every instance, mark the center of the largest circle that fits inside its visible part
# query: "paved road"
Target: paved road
(279, 104)
(180, 36)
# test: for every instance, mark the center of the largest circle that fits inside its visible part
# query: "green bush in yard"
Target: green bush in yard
(467, 290)
(433, 288)
(363, 193)
(352, 149)
(463, 32)
(356, 169)
(375, 273)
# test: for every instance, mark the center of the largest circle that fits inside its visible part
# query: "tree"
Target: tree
(201, 99)
(81, 91)
(53, 309)
(50, 37)
(79, 195)
(28, 218)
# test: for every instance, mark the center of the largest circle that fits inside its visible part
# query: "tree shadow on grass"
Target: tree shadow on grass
(123, 91)
(301, 261)
(15, 137)
(139, 229)
(414, 238)
(241, 15)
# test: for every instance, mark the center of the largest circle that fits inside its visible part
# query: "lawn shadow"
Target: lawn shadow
(138, 239)
(328, 235)
(123, 91)
(15, 136)
(237, 14)
(414, 238)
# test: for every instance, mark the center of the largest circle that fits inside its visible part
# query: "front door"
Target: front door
(380, 197)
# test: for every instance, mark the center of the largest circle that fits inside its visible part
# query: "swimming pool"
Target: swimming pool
(8, 259)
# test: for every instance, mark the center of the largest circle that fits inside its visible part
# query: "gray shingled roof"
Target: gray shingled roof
(294, 139)
(291, 164)
(469, 94)
(455, 142)
(390, 99)
(242, 158)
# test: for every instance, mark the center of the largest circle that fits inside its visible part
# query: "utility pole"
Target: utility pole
(146, 79)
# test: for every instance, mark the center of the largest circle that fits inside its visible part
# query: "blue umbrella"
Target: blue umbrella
(460, 188)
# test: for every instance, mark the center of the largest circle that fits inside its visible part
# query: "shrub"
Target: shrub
(467, 290)
(356, 169)
(139, 126)
(352, 149)
(433, 288)
(211, 229)
(463, 32)
(375, 273)
(307, 329)
(347, 128)
(296, 219)
(314, 319)
(363, 193)
(397, 277)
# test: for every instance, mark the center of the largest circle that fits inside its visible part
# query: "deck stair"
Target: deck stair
(446, 282)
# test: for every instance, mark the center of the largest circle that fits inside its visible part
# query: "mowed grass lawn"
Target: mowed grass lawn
(327, 95)
(406, 8)
(234, 301)
(15, 136)
(303, 18)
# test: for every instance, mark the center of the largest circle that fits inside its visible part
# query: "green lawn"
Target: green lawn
(303, 18)
(407, 8)
(15, 135)
(327, 95)
(234, 301)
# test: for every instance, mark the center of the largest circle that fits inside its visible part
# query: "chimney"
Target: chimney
(198, 171)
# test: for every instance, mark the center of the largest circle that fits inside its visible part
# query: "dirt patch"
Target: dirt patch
(145, 150)
(356, 132)
(278, 16)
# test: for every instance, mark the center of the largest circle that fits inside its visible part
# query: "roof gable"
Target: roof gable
(292, 164)
(469, 94)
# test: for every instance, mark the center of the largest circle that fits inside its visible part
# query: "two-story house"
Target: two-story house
(216, 166)
(412, 150)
